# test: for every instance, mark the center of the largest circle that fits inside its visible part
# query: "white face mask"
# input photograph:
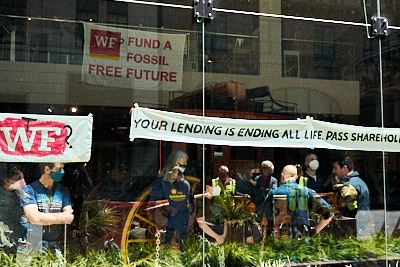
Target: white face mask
(314, 164)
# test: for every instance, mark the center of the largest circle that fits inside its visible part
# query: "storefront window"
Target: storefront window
(191, 141)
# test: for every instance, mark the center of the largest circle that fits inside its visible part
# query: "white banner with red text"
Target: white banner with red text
(45, 138)
(306, 133)
(119, 57)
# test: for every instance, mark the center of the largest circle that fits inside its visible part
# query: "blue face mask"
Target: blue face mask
(182, 168)
(57, 176)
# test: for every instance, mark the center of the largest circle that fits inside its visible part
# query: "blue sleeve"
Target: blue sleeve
(322, 202)
(27, 196)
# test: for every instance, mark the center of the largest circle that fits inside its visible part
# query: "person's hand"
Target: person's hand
(67, 217)
(209, 192)
(209, 189)
(337, 186)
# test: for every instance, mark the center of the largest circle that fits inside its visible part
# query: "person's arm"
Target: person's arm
(156, 191)
(241, 194)
(274, 183)
(34, 216)
(269, 205)
(325, 208)
(209, 192)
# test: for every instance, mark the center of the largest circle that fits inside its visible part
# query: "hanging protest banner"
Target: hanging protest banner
(133, 59)
(308, 133)
(45, 138)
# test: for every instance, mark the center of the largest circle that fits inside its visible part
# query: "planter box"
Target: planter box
(374, 262)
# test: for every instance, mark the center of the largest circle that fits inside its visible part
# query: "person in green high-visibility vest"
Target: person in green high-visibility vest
(223, 186)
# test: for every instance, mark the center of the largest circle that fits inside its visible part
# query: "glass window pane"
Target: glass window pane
(266, 85)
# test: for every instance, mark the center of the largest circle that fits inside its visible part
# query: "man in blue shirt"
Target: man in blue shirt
(47, 206)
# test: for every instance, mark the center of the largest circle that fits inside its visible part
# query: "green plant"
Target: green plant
(192, 254)
(269, 254)
(237, 254)
(232, 211)
(275, 263)
(146, 256)
(102, 217)
(6, 259)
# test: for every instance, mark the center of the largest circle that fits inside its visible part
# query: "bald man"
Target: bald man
(299, 199)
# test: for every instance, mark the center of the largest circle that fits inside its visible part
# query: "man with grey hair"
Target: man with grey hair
(263, 184)
(266, 181)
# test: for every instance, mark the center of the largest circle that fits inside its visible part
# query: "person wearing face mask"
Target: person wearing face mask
(171, 185)
(180, 198)
(12, 219)
(47, 206)
(311, 178)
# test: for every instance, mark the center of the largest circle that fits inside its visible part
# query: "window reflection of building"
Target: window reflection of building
(321, 54)
(291, 63)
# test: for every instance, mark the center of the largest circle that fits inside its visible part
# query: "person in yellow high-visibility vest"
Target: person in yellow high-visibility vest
(302, 181)
(221, 186)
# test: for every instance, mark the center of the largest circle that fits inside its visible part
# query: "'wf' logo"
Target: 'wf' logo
(105, 44)
(28, 137)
